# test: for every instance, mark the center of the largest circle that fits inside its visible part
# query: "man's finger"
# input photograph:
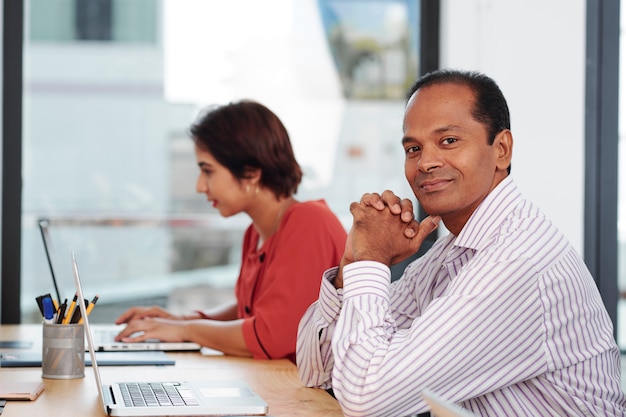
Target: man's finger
(423, 229)
(372, 199)
(392, 201)
(407, 210)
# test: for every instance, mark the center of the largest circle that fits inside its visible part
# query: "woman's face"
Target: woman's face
(226, 193)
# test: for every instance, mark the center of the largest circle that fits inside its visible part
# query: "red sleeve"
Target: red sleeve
(311, 239)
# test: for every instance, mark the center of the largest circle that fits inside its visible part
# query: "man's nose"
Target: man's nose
(429, 159)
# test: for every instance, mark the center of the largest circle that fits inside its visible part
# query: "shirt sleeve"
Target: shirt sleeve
(314, 355)
(380, 369)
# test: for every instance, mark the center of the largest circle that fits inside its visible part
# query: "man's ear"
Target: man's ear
(503, 146)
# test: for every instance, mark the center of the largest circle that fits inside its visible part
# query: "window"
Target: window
(67, 21)
(110, 87)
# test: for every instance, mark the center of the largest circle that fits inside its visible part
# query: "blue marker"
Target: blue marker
(48, 310)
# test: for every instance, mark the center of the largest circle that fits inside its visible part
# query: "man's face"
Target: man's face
(449, 163)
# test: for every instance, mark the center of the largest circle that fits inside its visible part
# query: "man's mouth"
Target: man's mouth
(433, 185)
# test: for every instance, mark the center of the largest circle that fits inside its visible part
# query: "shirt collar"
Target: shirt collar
(489, 215)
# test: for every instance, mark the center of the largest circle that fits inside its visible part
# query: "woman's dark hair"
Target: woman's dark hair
(244, 136)
(490, 107)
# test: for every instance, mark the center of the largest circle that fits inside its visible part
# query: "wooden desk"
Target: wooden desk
(274, 380)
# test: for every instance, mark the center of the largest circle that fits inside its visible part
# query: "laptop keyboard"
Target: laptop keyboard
(156, 394)
(104, 335)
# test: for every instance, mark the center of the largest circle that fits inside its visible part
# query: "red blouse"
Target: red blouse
(281, 279)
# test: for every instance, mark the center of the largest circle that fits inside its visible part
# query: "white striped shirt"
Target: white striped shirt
(504, 320)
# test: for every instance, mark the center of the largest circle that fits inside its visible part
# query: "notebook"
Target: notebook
(104, 335)
(169, 398)
(443, 408)
(20, 390)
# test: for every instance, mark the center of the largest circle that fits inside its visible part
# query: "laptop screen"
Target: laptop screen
(47, 245)
(88, 334)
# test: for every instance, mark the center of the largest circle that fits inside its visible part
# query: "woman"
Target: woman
(247, 165)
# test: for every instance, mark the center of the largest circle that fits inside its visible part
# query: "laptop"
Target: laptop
(104, 341)
(104, 335)
(169, 398)
(440, 407)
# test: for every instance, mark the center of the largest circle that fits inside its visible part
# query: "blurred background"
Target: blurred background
(111, 86)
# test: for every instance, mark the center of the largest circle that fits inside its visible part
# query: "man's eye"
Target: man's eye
(412, 149)
(449, 140)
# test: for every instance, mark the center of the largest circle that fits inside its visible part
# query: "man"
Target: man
(500, 316)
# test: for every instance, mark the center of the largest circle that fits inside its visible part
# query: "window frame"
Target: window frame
(10, 257)
(601, 149)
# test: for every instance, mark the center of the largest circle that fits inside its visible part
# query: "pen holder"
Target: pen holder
(63, 351)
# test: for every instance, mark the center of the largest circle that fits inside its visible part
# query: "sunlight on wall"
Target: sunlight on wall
(274, 52)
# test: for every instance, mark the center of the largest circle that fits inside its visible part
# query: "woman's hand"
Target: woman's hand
(136, 313)
(141, 330)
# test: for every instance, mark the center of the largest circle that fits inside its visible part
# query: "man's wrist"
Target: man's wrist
(374, 257)
(338, 280)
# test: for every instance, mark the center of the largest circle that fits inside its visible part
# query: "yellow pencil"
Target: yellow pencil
(89, 308)
(70, 311)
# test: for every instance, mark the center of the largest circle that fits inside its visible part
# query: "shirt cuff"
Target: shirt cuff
(251, 339)
(330, 298)
(366, 278)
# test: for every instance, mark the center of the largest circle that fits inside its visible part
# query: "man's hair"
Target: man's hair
(244, 136)
(490, 107)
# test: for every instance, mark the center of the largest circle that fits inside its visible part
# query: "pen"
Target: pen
(90, 307)
(77, 314)
(48, 310)
(61, 312)
(70, 310)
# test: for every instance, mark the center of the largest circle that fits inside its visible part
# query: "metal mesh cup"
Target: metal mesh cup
(63, 351)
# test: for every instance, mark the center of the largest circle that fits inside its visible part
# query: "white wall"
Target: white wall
(535, 50)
